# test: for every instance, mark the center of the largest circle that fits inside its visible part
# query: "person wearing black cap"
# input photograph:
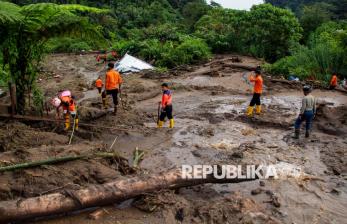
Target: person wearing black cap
(307, 112)
(166, 106)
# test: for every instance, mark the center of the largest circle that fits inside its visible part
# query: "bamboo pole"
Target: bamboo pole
(51, 161)
(98, 195)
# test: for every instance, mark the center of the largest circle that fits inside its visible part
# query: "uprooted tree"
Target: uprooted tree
(25, 30)
(98, 195)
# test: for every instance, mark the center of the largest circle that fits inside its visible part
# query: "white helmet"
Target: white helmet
(56, 102)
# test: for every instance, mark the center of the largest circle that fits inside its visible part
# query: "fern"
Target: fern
(25, 30)
(9, 13)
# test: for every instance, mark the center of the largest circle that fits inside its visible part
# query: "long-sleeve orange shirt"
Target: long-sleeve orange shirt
(258, 84)
(333, 81)
(113, 79)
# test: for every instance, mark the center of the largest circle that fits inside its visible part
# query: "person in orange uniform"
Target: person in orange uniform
(166, 106)
(69, 108)
(113, 84)
(333, 81)
(99, 84)
(257, 91)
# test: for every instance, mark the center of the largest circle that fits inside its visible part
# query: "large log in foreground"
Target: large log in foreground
(98, 195)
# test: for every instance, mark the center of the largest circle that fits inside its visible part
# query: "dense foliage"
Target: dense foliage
(24, 32)
(324, 54)
(303, 37)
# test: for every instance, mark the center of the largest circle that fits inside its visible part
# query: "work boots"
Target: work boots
(172, 123)
(76, 124)
(160, 124)
(297, 134)
(250, 111)
(307, 134)
(258, 109)
(67, 121)
(115, 110)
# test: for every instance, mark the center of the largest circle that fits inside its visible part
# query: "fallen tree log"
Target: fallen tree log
(98, 195)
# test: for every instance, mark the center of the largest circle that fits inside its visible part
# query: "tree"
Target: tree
(193, 11)
(220, 28)
(268, 31)
(312, 16)
(324, 54)
(25, 30)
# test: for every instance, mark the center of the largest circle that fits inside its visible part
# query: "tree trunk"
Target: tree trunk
(98, 195)
(20, 91)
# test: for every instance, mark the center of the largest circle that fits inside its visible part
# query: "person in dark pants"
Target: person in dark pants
(307, 112)
(166, 107)
(258, 89)
(113, 84)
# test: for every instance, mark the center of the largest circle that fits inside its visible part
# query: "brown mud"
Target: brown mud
(211, 128)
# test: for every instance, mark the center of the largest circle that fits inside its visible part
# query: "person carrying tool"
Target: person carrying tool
(166, 106)
(257, 91)
(112, 85)
(333, 82)
(67, 102)
(307, 112)
(99, 84)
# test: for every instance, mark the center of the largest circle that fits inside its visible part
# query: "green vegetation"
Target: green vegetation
(24, 33)
(325, 53)
(302, 37)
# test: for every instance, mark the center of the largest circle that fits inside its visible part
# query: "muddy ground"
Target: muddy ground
(211, 128)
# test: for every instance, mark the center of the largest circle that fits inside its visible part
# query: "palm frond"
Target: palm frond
(81, 8)
(9, 13)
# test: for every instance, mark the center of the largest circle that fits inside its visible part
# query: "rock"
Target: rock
(335, 191)
(90, 113)
(237, 155)
(262, 183)
(256, 191)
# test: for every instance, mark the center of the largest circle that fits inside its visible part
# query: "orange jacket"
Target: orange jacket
(98, 83)
(68, 103)
(258, 84)
(113, 79)
(166, 99)
(333, 81)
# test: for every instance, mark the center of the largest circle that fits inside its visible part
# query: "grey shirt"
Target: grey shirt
(308, 104)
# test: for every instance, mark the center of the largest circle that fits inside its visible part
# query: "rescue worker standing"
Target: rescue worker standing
(112, 85)
(99, 84)
(307, 112)
(333, 82)
(166, 107)
(257, 91)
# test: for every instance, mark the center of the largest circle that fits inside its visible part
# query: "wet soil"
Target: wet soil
(211, 128)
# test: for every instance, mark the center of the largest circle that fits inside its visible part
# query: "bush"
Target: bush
(166, 53)
(325, 54)
(67, 45)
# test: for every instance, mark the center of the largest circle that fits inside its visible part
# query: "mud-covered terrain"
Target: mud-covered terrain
(211, 128)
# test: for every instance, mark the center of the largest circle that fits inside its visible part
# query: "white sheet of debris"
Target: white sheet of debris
(131, 64)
